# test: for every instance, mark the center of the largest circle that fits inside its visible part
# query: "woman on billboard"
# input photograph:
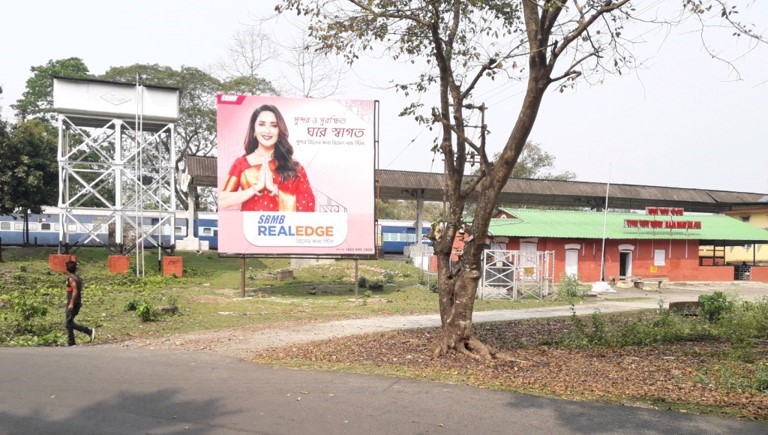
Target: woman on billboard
(266, 177)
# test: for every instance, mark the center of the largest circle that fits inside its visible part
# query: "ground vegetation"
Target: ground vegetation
(710, 362)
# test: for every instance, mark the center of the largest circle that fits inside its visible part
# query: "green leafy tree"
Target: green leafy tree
(28, 168)
(248, 86)
(37, 99)
(464, 44)
(37, 102)
(536, 163)
(406, 210)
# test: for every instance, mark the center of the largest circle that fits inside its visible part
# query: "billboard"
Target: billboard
(296, 176)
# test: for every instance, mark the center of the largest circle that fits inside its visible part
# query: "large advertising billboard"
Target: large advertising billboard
(296, 176)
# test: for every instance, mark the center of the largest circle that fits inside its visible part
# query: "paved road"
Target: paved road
(126, 390)
(109, 390)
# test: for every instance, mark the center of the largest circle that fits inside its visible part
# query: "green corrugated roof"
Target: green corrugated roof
(571, 224)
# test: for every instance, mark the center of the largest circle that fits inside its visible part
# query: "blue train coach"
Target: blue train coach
(395, 235)
(207, 228)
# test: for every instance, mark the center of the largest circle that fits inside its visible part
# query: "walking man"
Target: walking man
(74, 302)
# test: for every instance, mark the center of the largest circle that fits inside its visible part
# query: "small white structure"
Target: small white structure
(419, 254)
(117, 152)
(516, 274)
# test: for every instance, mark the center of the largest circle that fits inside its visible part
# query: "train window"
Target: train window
(5, 226)
(18, 226)
(71, 228)
(33, 226)
(206, 231)
(216, 232)
(46, 226)
(180, 231)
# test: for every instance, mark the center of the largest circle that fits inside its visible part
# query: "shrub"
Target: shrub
(743, 322)
(715, 306)
(570, 287)
(143, 308)
(147, 312)
(25, 319)
(761, 377)
(27, 305)
(389, 276)
(632, 330)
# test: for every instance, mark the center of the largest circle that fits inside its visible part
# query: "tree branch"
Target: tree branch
(388, 14)
(489, 65)
(607, 7)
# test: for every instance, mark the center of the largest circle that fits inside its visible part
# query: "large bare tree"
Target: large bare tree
(249, 50)
(317, 74)
(541, 44)
(297, 66)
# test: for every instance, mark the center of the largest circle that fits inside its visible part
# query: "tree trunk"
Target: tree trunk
(457, 283)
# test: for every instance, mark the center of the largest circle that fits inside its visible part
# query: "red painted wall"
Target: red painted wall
(712, 273)
(681, 259)
(759, 273)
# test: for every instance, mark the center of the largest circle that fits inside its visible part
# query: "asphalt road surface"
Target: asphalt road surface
(127, 389)
(111, 390)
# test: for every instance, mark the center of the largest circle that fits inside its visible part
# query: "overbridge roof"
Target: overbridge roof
(520, 192)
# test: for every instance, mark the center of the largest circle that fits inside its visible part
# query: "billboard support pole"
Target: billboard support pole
(242, 276)
(356, 277)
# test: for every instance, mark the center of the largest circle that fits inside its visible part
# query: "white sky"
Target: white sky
(684, 121)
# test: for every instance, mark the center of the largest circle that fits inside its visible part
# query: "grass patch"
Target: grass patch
(209, 296)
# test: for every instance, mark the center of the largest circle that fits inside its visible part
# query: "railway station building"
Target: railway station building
(659, 244)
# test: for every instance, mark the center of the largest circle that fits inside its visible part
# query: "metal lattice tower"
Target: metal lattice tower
(116, 156)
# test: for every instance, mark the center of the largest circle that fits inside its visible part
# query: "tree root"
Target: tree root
(502, 357)
(479, 348)
(471, 347)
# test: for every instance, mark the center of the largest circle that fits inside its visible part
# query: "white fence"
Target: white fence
(515, 274)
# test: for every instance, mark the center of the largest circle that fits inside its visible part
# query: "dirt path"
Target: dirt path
(242, 342)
